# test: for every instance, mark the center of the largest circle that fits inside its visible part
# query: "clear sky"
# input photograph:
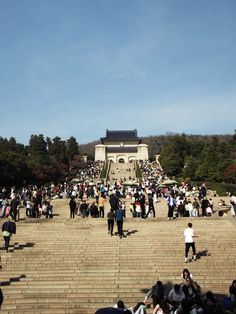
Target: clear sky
(79, 67)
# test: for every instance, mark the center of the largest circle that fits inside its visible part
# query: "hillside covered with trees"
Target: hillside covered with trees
(200, 158)
(42, 161)
(188, 157)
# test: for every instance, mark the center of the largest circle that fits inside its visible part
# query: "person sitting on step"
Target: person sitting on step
(156, 293)
(176, 295)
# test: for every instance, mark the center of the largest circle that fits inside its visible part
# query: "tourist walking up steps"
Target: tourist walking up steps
(189, 242)
(110, 221)
(72, 205)
(8, 228)
(119, 220)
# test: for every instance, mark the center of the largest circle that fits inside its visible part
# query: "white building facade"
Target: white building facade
(121, 146)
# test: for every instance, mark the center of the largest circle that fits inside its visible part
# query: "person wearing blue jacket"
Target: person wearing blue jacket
(119, 221)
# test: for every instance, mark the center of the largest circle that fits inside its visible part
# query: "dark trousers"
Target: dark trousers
(170, 211)
(7, 242)
(72, 213)
(13, 214)
(101, 211)
(28, 212)
(156, 300)
(143, 211)
(120, 227)
(151, 209)
(49, 214)
(110, 223)
(35, 212)
(187, 247)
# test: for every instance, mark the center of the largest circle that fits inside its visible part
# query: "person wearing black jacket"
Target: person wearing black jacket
(8, 228)
(72, 205)
(204, 205)
(84, 209)
(157, 294)
(151, 206)
(114, 202)
(110, 221)
(14, 208)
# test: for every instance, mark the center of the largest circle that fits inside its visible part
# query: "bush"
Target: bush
(222, 188)
(138, 172)
(104, 171)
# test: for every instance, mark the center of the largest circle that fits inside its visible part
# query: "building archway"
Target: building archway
(122, 159)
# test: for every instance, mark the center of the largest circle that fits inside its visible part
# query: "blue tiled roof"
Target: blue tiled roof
(122, 149)
(120, 135)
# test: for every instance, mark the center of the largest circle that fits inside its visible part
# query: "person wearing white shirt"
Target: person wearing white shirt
(233, 203)
(189, 242)
(189, 208)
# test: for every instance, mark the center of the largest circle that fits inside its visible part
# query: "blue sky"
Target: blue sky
(79, 67)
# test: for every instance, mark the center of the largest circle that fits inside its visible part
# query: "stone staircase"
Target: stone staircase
(73, 266)
(119, 171)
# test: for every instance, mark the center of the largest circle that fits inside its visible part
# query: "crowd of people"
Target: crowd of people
(184, 297)
(36, 203)
(140, 200)
(90, 171)
(151, 170)
(87, 197)
(37, 200)
(183, 200)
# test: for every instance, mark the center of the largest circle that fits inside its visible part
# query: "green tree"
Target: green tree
(172, 156)
(72, 149)
(13, 169)
(171, 161)
(190, 168)
(57, 149)
(38, 152)
(230, 174)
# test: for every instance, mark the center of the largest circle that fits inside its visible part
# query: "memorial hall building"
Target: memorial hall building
(121, 146)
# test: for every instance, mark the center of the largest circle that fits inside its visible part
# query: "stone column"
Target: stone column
(143, 152)
(100, 152)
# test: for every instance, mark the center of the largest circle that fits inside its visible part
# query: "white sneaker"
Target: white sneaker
(186, 260)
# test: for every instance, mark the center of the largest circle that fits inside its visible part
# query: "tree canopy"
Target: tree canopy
(200, 159)
(42, 161)
(196, 157)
